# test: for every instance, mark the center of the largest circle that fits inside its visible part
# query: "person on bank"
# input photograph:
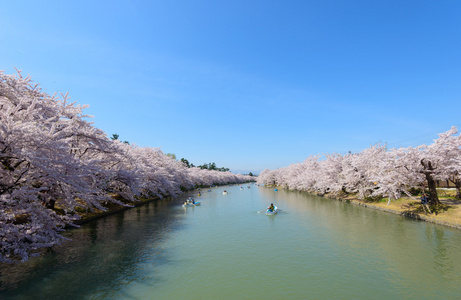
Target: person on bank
(424, 199)
(425, 202)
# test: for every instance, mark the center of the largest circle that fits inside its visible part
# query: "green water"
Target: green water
(224, 249)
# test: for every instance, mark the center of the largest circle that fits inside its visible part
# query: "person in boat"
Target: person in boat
(271, 207)
(193, 201)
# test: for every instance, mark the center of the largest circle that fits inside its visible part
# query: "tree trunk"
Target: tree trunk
(433, 197)
(458, 188)
(431, 184)
(50, 203)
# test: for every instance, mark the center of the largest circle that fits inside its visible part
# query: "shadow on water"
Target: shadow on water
(102, 256)
(331, 250)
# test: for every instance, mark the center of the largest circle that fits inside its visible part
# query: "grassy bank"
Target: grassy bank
(447, 214)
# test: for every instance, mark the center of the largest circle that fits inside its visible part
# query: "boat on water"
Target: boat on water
(190, 202)
(271, 212)
(196, 203)
(276, 190)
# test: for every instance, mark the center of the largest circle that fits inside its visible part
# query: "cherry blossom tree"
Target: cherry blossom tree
(440, 160)
(376, 172)
(328, 177)
(266, 177)
(42, 142)
(53, 161)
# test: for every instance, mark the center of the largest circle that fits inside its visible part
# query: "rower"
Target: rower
(271, 207)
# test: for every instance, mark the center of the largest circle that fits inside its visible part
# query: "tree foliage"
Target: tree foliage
(376, 171)
(186, 163)
(171, 155)
(53, 161)
(212, 166)
(206, 166)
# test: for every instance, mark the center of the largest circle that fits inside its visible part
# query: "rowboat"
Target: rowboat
(197, 203)
(271, 212)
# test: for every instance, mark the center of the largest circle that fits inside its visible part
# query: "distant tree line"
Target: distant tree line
(212, 166)
(205, 166)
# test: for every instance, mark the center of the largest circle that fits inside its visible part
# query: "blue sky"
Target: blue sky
(248, 85)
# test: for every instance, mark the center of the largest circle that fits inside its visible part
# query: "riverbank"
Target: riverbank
(448, 214)
(113, 208)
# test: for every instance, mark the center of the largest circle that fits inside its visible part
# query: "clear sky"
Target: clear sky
(247, 84)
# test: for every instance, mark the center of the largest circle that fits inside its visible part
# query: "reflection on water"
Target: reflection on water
(225, 249)
(100, 256)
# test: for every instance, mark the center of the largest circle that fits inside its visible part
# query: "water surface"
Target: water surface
(316, 248)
